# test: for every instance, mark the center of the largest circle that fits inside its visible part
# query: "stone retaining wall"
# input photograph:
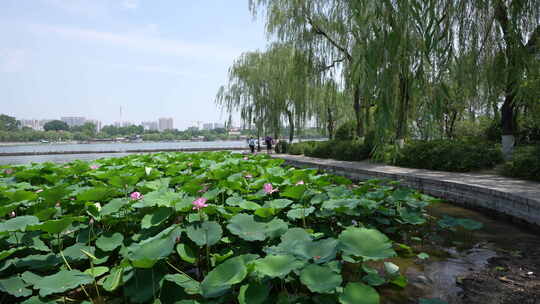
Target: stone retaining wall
(518, 208)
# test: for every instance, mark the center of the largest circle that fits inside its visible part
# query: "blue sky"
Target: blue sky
(155, 58)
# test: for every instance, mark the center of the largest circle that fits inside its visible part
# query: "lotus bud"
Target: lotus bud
(12, 214)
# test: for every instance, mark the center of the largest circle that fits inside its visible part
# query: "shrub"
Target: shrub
(350, 150)
(321, 149)
(346, 131)
(525, 163)
(449, 155)
(282, 146)
(301, 147)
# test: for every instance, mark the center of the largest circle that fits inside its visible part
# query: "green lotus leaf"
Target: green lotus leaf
(146, 253)
(53, 195)
(114, 279)
(294, 192)
(247, 205)
(432, 301)
(320, 251)
(220, 279)
(18, 223)
(247, 228)
(374, 279)
(109, 242)
(53, 226)
(156, 218)
(190, 285)
(358, 293)
(265, 212)
(38, 300)
(186, 253)
(298, 213)
(121, 181)
(370, 244)
(277, 266)
(253, 293)
(97, 271)
(62, 281)
(6, 253)
(411, 217)
(469, 224)
(159, 198)
(278, 203)
(95, 194)
(15, 286)
(340, 204)
(205, 233)
(20, 195)
(39, 262)
(113, 206)
(320, 279)
(30, 278)
(76, 253)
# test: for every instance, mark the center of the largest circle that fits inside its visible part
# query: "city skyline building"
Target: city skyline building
(150, 125)
(73, 121)
(165, 123)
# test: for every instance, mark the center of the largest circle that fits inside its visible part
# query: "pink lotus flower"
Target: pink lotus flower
(177, 239)
(203, 190)
(94, 167)
(57, 204)
(136, 196)
(8, 171)
(248, 176)
(300, 183)
(246, 158)
(39, 190)
(91, 222)
(268, 189)
(199, 203)
(67, 167)
(12, 214)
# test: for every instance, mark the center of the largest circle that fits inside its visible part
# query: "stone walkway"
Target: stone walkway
(518, 198)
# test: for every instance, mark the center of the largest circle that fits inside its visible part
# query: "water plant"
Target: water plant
(198, 228)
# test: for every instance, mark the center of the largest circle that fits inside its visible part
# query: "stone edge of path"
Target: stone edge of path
(522, 209)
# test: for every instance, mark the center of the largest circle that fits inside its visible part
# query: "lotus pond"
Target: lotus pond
(208, 227)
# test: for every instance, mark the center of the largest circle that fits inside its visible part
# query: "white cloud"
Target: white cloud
(130, 4)
(12, 60)
(143, 42)
(94, 8)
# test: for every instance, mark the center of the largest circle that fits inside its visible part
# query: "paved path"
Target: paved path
(517, 198)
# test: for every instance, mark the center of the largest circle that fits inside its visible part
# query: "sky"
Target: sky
(153, 58)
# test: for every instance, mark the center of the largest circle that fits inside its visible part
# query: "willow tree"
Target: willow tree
(268, 88)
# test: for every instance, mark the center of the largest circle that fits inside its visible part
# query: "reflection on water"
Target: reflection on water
(57, 158)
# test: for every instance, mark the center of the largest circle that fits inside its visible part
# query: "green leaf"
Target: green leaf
(247, 228)
(265, 212)
(15, 286)
(423, 256)
(148, 252)
(30, 278)
(298, 213)
(38, 300)
(186, 253)
(205, 233)
(320, 279)
(109, 242)
(156, 218)
(18, 223)
(53, 226)
(95, 194)
(374, 279)
(320, 251)
(370, 244)
(253, 293)
(221, 278)
(294, 192)
(275, 266)
(159, 198)
(278, 203)
(432, 301)
(113, 206)
(114, 279)
(358, 293)
(76, 253)
(400, 281)
(190, 285)
(62, 281)
(97, 271)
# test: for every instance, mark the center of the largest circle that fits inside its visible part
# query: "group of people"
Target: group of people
(268, 141)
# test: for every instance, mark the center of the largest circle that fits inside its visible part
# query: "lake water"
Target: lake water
(97, 147)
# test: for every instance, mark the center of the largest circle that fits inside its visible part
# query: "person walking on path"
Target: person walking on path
(251, 143)
(268, 141)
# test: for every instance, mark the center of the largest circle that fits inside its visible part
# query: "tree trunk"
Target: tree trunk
(358, 111)
(403, 106)
(330, 125)
(291, 125)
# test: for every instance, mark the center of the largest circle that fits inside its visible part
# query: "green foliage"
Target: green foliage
(346, 131)
(449, 155)
(282, 146)
(244, 245)
(525, 163)
(56, 125)
(338, 149)
(8, 123)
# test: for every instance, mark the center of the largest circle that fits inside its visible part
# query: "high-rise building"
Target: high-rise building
(219, 125)
(31, 123)
(150, 125)
(208, 126)
(165, 123)
(73, 121)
